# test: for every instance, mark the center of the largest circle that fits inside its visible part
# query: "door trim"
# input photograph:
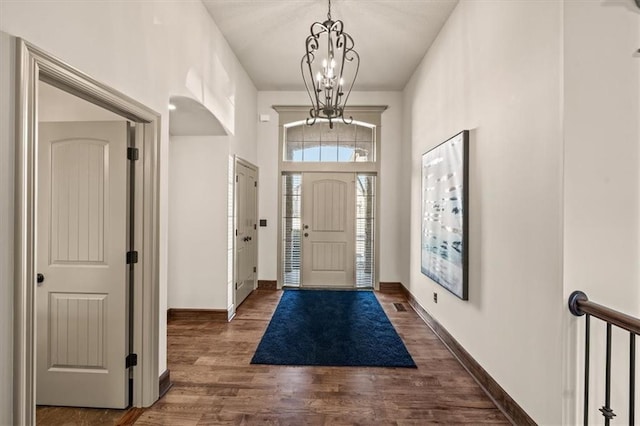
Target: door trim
(239, 160)
(370, 114)
(33, 65)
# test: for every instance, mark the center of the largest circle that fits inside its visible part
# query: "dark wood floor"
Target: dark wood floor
(72, 416)
(214, 383)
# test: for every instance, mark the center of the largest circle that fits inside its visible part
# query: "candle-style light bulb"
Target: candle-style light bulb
(319, 77)
(324, 64)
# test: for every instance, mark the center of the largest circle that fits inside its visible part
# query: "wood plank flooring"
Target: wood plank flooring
(215, 384)
(72, 416)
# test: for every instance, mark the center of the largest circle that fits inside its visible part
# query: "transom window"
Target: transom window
(345, 143)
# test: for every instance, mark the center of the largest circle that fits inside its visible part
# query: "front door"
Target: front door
(328, 205)
(246, 226)
(81, 256)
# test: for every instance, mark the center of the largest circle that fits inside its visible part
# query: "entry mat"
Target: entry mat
(331, 328)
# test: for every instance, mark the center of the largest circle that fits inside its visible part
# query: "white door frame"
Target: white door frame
(33, 65)
(238, 160)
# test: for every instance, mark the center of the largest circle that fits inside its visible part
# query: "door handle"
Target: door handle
(39, 278)
(306, 227)
(306, 234)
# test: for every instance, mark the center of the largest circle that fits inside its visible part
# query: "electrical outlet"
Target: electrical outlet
(435, 297)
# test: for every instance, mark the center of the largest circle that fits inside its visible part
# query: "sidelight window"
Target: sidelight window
(291, 228)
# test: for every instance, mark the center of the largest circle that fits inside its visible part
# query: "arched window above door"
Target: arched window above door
(345, 143)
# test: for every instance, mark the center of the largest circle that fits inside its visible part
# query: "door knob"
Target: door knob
(306, 234)
(40, 278)
(306, 227)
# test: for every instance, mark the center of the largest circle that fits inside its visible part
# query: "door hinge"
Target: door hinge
(236, 178)
(255, 226)
(131, 360)
(254, 269)
(236, 286)
(132, 154)
(132, 257)
(255, 184)
(236, 232)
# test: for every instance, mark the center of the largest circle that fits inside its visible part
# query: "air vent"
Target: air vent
(399, 307)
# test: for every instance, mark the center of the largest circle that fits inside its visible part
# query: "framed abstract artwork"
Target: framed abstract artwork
(445, 189)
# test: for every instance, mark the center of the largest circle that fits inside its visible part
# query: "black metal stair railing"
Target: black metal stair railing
(579, 304)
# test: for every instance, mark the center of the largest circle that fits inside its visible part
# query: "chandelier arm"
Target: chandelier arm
(340, 42)
(310, 121)
(312, 45)
(305, 81)
(355, 76)
(316, 32)
(337, 27)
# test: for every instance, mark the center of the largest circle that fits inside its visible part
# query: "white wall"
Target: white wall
(495, 69)
(7, 156)
(601, 180)
(392, 191)
(198, 222)
(149, 50)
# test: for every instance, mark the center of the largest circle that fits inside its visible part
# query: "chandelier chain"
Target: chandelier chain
(329, 12)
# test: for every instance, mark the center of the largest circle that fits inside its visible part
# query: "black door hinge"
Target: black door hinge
(132, 257)
(132, 154)
(236, 232)
(236, 178)
(255, 226)
(254, 269)
(255, 184)
(131, 360)
(236, 286)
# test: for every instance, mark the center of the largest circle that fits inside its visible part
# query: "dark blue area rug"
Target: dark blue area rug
(331, 328)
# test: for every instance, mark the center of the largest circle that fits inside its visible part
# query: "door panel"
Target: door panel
(81, 250)
(246, 217)
(328, 230)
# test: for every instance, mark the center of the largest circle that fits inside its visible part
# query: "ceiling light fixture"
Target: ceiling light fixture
(336, 68)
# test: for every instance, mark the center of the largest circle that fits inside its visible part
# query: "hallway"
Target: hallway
(213, 382)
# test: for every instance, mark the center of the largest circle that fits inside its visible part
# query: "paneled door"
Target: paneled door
(328, 221)
(246, 225)
(81, 261)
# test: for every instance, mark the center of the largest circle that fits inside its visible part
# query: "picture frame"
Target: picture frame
(445, 215)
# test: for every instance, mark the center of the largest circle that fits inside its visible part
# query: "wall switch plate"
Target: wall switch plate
(435, 297)
(263, 222)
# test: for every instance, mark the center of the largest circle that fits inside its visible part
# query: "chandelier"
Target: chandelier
(329, 65)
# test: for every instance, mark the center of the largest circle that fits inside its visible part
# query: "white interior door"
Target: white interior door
(328, 208)
(246, 225)
(81, 253)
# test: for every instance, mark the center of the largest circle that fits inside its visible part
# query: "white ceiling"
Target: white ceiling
(391, 36)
